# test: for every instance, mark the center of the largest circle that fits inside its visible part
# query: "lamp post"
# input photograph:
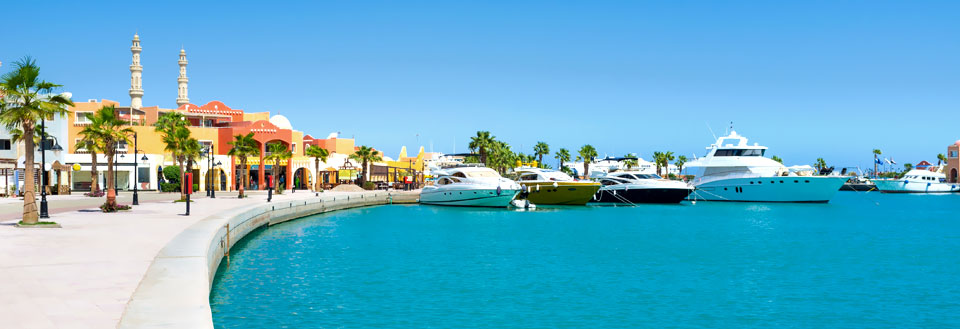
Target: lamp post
(209, 181)
(44, 210)
(136, 171)
(213, 190)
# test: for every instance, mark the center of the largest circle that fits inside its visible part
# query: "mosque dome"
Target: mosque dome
(281, 122)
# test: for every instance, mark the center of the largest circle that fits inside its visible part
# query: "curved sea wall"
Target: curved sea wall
(175, 291)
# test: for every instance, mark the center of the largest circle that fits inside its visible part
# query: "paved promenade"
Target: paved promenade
(82, 275)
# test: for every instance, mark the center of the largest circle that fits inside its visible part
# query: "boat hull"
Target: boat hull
(859, 187)
(643, 195)
(906, 186)
(818, 189)
(469, 198)
(564, 193)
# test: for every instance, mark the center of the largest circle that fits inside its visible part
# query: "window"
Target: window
(4, 144)
(81, 117)
(122, 146)
(293, 147)
(739, 152)
(953, 154)
(143, 175)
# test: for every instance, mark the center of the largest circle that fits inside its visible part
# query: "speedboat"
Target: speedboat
(470, 186)
(733, 170)
(917, 181)
(551, 187)
(638, 187)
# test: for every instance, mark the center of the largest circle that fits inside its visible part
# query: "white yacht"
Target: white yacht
(733, 170)
(917, 181)
(470, 186)
(640, 187)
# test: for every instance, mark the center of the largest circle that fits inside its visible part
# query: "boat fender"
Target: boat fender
(614, 192)
(499, 190)
(555, 184)
(928, 184)
(538, 188)
(906, 182)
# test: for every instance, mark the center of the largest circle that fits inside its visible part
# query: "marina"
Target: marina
(853, 262)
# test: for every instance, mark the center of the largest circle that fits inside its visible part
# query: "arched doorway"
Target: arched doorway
(953, 175)
(301, 179)
(214, 179)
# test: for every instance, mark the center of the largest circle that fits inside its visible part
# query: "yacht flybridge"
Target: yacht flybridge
(470, 186)
(917, 181)
(551, 187)
(733, 170)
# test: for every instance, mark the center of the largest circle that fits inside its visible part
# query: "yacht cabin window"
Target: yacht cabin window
(529, 177)
(482, 173)
(739, 152)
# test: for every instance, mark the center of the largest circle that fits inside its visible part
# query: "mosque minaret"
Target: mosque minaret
(136, 72)
(182, 80)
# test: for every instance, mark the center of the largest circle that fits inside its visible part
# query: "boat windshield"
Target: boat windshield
(739, 152)
(483, 173)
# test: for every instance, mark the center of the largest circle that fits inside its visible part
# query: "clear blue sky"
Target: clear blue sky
(807, 78)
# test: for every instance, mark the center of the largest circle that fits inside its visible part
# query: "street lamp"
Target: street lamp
(44, 210)
(209, 181)
(136, 170)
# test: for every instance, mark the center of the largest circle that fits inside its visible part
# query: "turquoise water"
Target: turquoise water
(865, 260)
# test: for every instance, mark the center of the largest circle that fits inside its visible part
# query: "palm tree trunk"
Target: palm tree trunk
(316, 175)
(586, 169)
(30, 215)
(276, 172)
(243, 176)
(94, 175)
(183, 184)
(111, 192)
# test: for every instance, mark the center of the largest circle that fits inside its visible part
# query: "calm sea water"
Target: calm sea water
(865, 260)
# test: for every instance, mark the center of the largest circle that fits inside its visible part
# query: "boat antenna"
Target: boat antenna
(711, 130)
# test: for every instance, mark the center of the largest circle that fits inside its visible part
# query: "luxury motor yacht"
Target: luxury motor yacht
(638, 187)
(551, 187)
(917, 181)
(733, 170)
(470, 186)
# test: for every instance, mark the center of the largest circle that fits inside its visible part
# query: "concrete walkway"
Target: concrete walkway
(83, 275)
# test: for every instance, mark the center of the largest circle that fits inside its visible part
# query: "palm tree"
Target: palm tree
(681, 160)
(112, 133)
(318, 154)
(365, 155)
(777, 159)
(92, 143)
(563, 155)
(820, 164)
(907, 167)
(587, 153)
(481, 143)
(876, 158)
(244, 146)
(941, 159)
(190, 150)
(278, 152)
(540, 150)
(658, 160)
(174, 134)
(26, 101)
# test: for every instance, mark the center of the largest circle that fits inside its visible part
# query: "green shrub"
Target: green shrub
(369, 186)
(169, 187)
(171, 174)
(196, 187)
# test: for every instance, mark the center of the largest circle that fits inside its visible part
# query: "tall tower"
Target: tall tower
(136, 71)
(182, 80)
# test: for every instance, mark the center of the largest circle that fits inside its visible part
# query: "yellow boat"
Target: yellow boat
(551, 187)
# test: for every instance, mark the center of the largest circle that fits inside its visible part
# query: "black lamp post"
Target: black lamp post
(209, 181)
(136, 172)
(44, 210)
(213, 190)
